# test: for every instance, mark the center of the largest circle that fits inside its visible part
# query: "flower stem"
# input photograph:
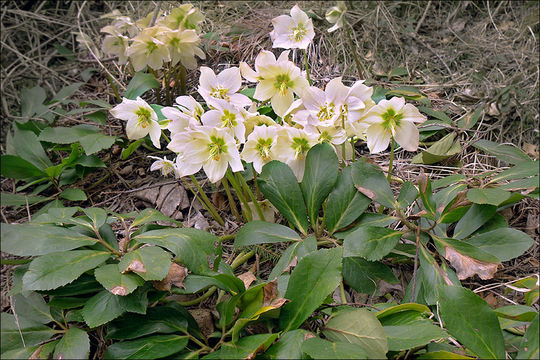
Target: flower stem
(232, 203)
(252, 197)
(353, 141)
(206, 201)
(246, 211)
(307, 67)
(257, 190)
(165, 136)
(391, 163)
(158, 89)
(182, 79)
(359, 67)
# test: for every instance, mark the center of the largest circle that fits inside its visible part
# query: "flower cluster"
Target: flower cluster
(231, 129)
(173, 38)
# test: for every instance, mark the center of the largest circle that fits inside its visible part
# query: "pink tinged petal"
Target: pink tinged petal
(284, 56)
(377, 138)
(298, 15)
(281, 24)
(248, 72)
(212, 118)
(208, 79)
(230, 79)
(134, 131)
(313, 98)
(407, 135)
(155, 134)
(335, 91)
(215, 170)
(265, 90)
(411, 113)
(240, 100)
(280, 103)
(264, 59)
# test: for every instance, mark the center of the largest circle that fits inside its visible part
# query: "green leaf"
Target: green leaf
(150, 263)
(318, 348)
(315, 276)
(474, 218)
(262, 232)
(12, 328)
(437, 114)
(191, 246)
(75, 344)
(67, 302)
(521, 170)
(419, 308)
(29, 148)
(528, 183)
(370, 242)
(447, 181)
(86, 284)
(404, 337)
(93, 143)
(465, 249)
(32, 100)
(137, 302)
(397, 71)
(73, 194)
(370, 181)
(151, 347)
(507, 153)
(477, 328)
(150, 215)
(245, 348)
(102, 308)
(15, 167)
(227, 282)
(131, 149)
(529, 344)
(289, 346)
(97, 216)
(56, 269)
(469, 120)
(439, 151)
(66, 135)
(9, 199)
(345, 204)
(368, 219)
(516, 312)
(359, 327)
(32, 307)
(117, 283)
(492, 196)
(407, 194)
(279, 185)
(161, 319)
(504, 243)
(319, 178)
(140, 84)
(298, 250)
(364, 276)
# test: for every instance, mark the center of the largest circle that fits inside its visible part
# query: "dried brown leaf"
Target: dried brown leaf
(270, 292)
(119, 290)
(369, 193)
(467, 266)
(175, 276)
(247, 278)
(135, 266)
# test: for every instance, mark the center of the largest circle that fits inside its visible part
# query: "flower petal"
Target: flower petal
(230, 79)
(280, 103)
(407, 135)
(265, 90)
(377, 138)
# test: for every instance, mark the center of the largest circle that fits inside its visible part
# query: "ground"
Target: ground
(460, 54)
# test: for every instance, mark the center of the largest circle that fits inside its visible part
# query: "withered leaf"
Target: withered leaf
(119, 290)
(247, 278)
(175, 276)
(135, 266)
(369, 193)
(467, 266)
(292, 264)
(270, 292)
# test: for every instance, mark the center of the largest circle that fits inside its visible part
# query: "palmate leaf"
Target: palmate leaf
(56, 269)
(151, 347)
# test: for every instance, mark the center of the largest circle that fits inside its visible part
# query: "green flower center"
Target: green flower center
(298, 32)
(174, 43)
(325, 137)
(391, 120)
(326, 112)
(300, 147)
(219, 92)
(144, 117)
(283, 82)
(216, 147)
(151, 47)
(263, 148)
(228, 120)
(166, 168)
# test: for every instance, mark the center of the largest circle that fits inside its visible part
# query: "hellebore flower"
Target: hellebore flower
(222, 86)
(167, 167)
(183, 46)
(148, 49)
(335, 15)
(292, 146)
(259, 146)
(392, 119)
(226, 116)
(141, 119)
(188, 113)
(292, 32)
(115, 44)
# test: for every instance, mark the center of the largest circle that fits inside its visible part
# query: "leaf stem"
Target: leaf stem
(232, 203)
(252, 197)
(307, 67)
(205, 201)
(246, 211)
(342, 292)
(15, 261)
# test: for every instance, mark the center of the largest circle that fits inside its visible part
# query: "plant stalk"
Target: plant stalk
(252, 197)
(232, 203)
(307, 67)
(205, 201)
(246, 211)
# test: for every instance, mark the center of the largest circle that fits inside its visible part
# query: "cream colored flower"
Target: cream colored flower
(393, 119)
(223, 86)
(141, 119)
(148, 49)
(335, 15)
(259, 146)
(292, 147)
(184, 17)
(183, 46)
(166, 167)
(115, 44)
(278, 80)
(187, 113)
(292, 32)
(226, 116)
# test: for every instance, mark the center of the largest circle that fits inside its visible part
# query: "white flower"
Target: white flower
(188, 113)
(212, 148)
(115, 44)
(292, 32)
(184, 17)
(183, 45)
(167, 167)
(259, 146)
(226, 116)
(292, 146)
(335, 15)
(141, 119)
(222, 86)
(392, 119)
(148, 49)
(278, 80)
